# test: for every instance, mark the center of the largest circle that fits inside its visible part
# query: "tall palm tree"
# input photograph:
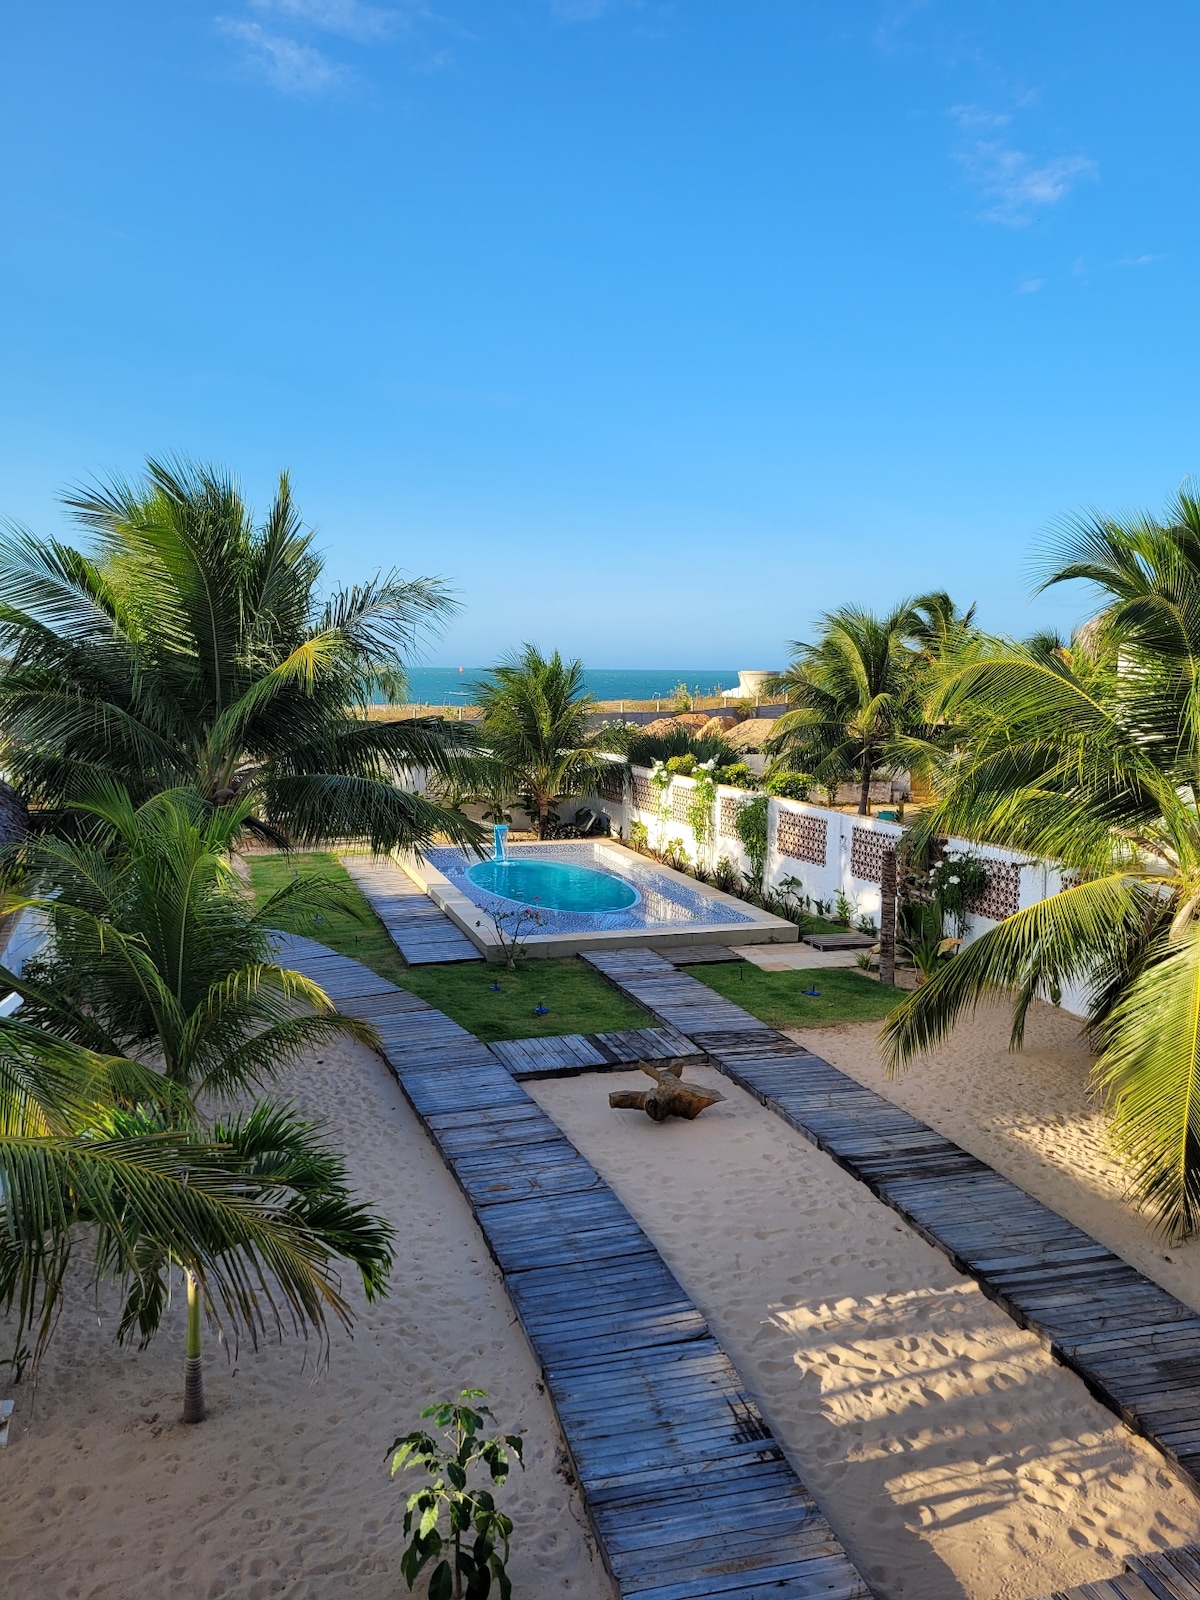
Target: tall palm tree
(855, 693)
(158, 986)
(534, 727)
(187, 646)
(1089, 756)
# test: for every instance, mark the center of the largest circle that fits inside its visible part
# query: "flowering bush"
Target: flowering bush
(957, 881)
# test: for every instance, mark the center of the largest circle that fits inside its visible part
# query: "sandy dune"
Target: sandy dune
(953, 1457)
(283, 1491)
(1030, 1116)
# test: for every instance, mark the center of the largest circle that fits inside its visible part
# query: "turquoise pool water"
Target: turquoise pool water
(554, 885)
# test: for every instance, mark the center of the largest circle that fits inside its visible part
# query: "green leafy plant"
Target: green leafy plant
(674, 855)
(683, 765)
(923, 940)
(789, 785)
(639, 837)
(727, 877)
(735, 775)
(476, 1549)
(701, 800)
(845, 908)
(682, 698)
(750, 824)
(957, 881)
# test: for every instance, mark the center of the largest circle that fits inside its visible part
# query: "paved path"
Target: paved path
(690, 1496)
(1135, 1346)
(420, 930)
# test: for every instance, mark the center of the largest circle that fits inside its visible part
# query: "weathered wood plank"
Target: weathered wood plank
(420, 930)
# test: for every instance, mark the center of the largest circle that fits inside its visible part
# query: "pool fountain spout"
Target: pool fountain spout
(499, 831)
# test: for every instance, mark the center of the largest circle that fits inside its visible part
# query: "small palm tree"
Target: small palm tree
(158, 986)
(534, 727)
(188, 647)
(856, 698)
(1088, 755)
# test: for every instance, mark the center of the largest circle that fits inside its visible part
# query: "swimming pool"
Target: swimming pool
(554, 885)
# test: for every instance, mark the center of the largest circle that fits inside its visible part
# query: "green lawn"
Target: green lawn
(577, 1000)
(778, 998)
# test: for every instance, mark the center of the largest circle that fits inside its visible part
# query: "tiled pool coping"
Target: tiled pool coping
(732, 920)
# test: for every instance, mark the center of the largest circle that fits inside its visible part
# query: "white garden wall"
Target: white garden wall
(825, 852)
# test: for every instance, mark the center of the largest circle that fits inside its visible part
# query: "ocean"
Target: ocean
(441, 686)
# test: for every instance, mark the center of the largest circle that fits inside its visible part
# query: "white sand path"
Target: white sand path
(952, 1456)
(105, 1495)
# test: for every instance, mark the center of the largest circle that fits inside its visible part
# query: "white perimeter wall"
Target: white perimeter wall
(825, 852)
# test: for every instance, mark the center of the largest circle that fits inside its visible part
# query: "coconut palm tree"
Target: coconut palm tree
(158, 986)
(534, 728)
(1088, 755)
(187, 646)
(856, 698)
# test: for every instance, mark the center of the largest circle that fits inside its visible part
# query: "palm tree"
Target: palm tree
(1088, 755)
(534, 727)
(189, 648)
(856, 697)
(158, 986)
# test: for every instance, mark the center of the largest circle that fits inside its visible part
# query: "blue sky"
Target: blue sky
(658, 328)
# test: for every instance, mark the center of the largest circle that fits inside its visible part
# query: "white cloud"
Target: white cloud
(1031, 285)
(1016, 185)
(973, 119)
(352, 19)
(287, 65)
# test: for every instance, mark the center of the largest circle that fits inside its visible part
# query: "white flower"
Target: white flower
(953, 880)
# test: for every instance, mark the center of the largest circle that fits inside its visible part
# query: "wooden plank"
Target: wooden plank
(420, 930)
(1100, 1316)
(688, 1493)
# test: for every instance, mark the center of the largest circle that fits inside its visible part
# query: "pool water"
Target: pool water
(556, 885)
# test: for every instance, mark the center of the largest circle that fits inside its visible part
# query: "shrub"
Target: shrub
(684, 765)
(751, 826)
(789, 785)
(736, 775)
(644, 749)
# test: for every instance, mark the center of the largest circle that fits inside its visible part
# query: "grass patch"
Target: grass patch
(778, 998)
(577, 1000)
(364, 937)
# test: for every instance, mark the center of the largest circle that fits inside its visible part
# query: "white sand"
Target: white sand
(1030, 1116)
(952, 1456)
(284, 1490)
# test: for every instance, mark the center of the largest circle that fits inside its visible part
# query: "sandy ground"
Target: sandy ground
(1030, 1116)
(284, 1489)
(952, 1456)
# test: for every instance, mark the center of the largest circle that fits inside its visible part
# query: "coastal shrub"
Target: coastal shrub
(475, 1550)
(726, 877)
(735, 775)
(957, 880)
(684, 765)
(639, 837)
(789, 785)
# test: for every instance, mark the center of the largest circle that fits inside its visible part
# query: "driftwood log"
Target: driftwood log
(670, 1097)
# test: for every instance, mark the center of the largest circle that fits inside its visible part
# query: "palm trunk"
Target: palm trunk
(543, 818)
(864, 793)
(193, 1367)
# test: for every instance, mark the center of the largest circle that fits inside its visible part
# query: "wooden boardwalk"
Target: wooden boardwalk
(420, 930)
(689, 1494)
(1165, 1575)
(567, 1055)
(1135, 1346)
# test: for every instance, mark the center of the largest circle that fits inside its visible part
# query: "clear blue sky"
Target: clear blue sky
(658, 328)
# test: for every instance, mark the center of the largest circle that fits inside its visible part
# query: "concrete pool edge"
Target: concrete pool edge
(754, 926)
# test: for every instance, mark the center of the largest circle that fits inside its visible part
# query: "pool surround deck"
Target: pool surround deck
(735, 922)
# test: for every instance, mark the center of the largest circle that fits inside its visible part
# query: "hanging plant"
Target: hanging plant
(750, 825)
(701, 802)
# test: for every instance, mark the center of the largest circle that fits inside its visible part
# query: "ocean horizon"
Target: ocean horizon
(454, 685)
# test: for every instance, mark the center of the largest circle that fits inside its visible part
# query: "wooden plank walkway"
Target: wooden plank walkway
(698, 955)
(1135, 1346)
(420, 930)
(567, 1055)
(690, 1496)
(1165, 1575)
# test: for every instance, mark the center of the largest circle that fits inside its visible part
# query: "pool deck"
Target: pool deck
(753, 926)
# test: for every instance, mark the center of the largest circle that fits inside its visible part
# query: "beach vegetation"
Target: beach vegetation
(156, 992)
(534, 727)
(187, 646)
(1086, 754)
(474, 1551)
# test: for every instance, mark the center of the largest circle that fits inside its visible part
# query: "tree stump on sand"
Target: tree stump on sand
(670, 1097)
